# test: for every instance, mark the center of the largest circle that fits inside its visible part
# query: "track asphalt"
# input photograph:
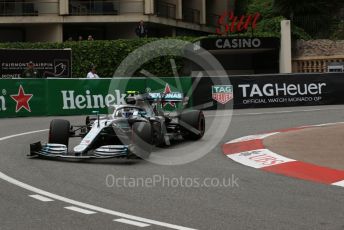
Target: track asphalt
(322, 146)
(260, 201)
(279, 152)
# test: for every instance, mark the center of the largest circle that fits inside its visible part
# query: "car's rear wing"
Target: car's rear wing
(132, 96)
(168, 97)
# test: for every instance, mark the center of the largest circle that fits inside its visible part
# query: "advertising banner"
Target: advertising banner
(84, 96)
(23, 97)
(47, 63)
(43, 97)
(264, 91)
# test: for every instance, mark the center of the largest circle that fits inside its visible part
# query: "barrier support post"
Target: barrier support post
(285, 65)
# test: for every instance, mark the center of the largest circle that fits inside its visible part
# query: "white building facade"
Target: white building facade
(58, 20)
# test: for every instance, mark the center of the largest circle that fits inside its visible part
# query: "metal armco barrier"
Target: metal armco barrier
(44, 97)
(264, 91)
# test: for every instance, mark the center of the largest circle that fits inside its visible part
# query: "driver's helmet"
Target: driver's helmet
(127, 113)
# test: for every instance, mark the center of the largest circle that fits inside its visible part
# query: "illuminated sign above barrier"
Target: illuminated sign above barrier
(228, 22)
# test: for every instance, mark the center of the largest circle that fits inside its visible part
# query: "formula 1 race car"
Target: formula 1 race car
(131, 130)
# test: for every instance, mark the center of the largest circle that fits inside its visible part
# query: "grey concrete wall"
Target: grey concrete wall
(44, 33)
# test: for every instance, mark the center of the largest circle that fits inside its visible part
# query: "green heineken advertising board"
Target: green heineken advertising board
(42, 97)
(73, 97)
(24, 97)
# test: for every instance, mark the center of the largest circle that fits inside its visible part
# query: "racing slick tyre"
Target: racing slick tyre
(59, 132)
(192, 124)
(159, 138)
(141, 139)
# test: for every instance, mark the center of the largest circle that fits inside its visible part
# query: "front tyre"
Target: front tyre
(59, 132)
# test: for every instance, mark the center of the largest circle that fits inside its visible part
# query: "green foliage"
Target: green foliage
(241, 7)
(317, 17)
(271, 19)
(299, 33)
(264, 7)
(338, 33)
(269, 23)
(310, 19)
(106, 55)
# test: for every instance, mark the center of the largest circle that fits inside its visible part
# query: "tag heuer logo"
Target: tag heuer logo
(222, 93)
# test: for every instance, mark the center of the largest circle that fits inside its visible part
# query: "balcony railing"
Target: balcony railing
(191, 15)
(212, 20)
(28, 8)
(105, 7)
(166, 10)
(315, 64)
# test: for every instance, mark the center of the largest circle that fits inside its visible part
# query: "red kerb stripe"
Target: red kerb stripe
(307, 171)
(232, 148)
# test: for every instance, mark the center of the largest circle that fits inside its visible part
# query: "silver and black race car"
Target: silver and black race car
(131, 130)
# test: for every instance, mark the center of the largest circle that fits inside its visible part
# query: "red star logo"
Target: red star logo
(167, 91)
(22, 100)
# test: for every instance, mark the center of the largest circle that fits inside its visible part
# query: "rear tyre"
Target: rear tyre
(192, 124)
(159, 138)
(141, 139)
(59, 132)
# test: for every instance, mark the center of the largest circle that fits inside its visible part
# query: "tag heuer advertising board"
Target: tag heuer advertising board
(222, 93)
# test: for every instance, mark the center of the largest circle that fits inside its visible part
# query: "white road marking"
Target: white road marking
(288, 111)
(23, 134)
(252, 137)
(339, 183)
(328, 124)
(78, 203)
(272, 112)
(131, 222)
(259, 158)
(41, 198)
(219, 115)
(81, 210)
